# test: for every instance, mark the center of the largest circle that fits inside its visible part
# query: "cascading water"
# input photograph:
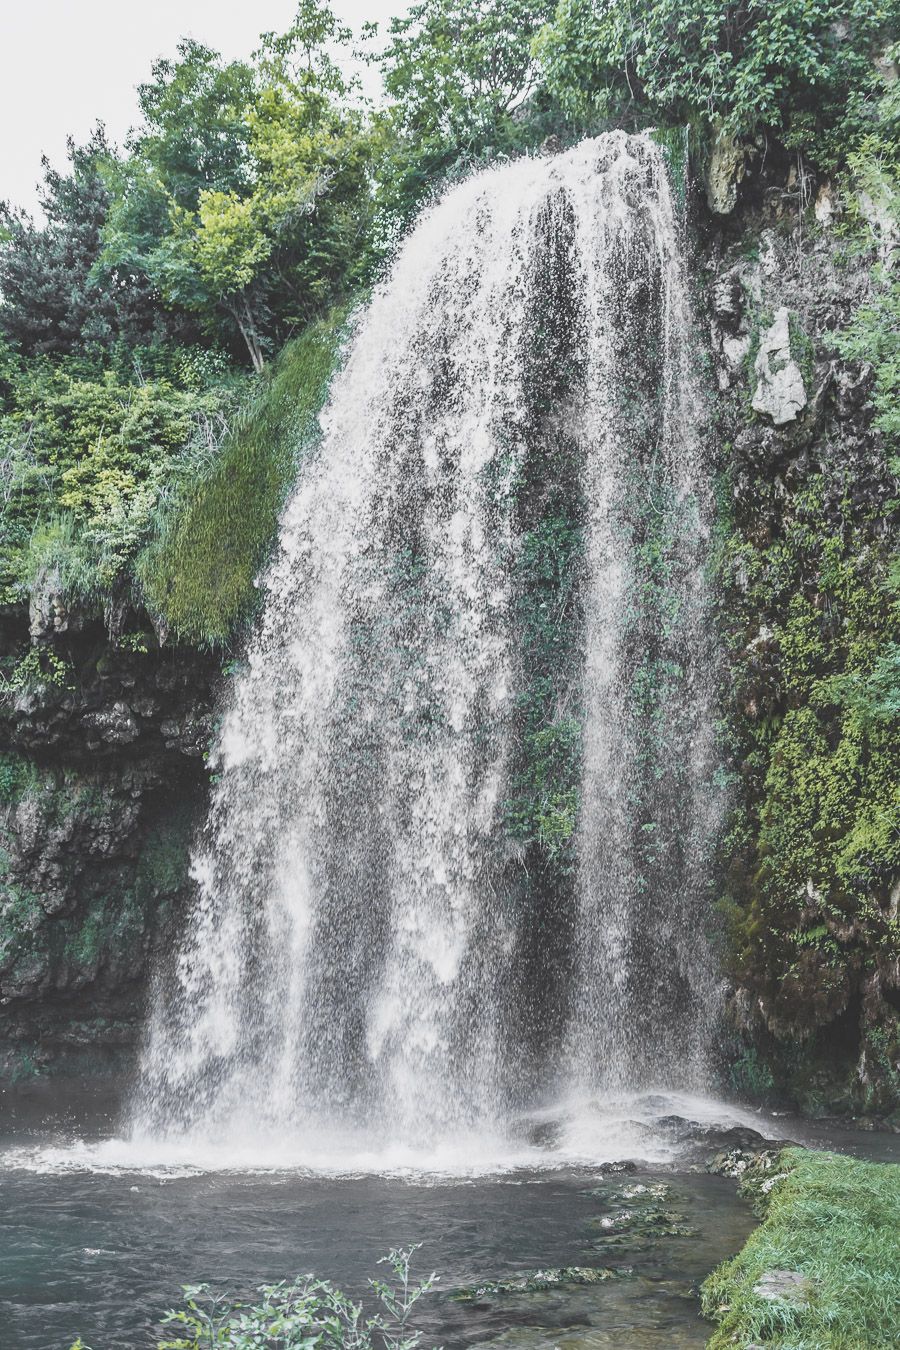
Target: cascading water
(362, 955)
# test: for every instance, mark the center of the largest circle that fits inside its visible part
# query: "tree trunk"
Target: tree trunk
(240, 311)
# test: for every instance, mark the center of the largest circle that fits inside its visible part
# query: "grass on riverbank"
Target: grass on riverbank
(834, 1221)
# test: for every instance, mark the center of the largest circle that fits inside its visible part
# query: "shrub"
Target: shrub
(305, 1313)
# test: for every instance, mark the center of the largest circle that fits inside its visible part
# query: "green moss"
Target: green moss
(676, 143)
(833, 1221)
(813, 852)
(162, 867)
(16, 775)
(215, 528)
(21, 916)
(544, 808)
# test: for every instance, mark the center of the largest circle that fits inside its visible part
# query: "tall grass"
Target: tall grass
(837, 1222)
(214, 526)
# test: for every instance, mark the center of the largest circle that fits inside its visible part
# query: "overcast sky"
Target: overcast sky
(65, 64)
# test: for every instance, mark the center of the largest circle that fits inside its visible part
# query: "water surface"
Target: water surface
(100, 1248)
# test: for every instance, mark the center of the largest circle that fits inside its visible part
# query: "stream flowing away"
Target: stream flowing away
(363, 961)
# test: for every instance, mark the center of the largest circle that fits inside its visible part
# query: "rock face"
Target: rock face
(724, 173)
(102, 782)
(780, 393)
(812, 531)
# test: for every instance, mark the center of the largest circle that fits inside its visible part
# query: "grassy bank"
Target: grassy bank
(215, 526)
(835, 1223)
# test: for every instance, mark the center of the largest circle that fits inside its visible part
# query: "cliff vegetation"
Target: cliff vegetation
(167, 332)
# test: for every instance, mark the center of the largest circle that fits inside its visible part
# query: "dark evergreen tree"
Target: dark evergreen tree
(55, 298)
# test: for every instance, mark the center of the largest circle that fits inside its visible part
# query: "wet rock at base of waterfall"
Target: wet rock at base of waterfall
(637, 1213)
(614, 1168)
(724, 172)
(780, 393)
(735, 1162)
(784, 1286)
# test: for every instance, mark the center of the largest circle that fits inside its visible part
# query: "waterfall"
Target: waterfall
(365, 952)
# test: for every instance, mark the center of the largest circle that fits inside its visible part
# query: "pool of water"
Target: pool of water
(104, 1256)
(95, 1243)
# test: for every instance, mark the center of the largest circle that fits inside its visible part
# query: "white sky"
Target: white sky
(65, 64)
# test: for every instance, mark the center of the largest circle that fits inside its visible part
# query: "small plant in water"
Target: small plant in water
(306, 1314)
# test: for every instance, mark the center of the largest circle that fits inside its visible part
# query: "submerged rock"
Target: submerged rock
(539, 1282)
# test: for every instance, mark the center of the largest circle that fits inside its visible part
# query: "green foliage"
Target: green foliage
(461, 82)
(245, 198)
(544, 808)
(195, 134)
(216, 523)
(16, 774)
(813, 848)
(84, 458)
(750, 1077)
(873, 337)
(455, 69)
(801, 70)
(38, 669)
(545, 812)
(54, 300)
(301, 1315)
(832, 1220)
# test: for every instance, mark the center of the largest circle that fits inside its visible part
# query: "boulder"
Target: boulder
(784, 1286)
(780, 393)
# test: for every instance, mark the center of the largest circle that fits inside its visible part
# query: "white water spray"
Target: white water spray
(353, 955)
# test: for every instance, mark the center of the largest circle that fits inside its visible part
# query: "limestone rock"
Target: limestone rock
(728, 300)
(724, 172)
(826, 205)
(780, 392)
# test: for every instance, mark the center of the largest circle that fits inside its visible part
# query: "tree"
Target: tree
(458, 68)
(246, 187)
(802, 69)
(54, 298)
(458, 74)
(195, 135)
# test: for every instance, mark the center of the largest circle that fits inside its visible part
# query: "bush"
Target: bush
(84, 456)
